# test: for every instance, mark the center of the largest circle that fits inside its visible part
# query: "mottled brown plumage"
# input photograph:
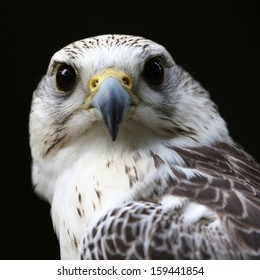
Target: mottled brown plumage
(226, 188)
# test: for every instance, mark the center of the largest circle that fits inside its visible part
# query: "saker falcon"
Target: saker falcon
(135, 160)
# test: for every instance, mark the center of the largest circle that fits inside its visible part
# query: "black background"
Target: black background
(218, 44)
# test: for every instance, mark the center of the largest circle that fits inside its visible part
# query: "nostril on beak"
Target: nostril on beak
(126, 81)
(94, 84)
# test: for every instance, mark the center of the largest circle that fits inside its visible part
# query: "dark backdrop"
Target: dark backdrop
(218, 44)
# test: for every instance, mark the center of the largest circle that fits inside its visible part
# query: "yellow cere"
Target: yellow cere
(122, 77)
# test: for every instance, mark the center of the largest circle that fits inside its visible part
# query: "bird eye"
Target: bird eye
(153, 71)
(66, 77)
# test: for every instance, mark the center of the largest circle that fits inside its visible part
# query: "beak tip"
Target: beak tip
(113, 131)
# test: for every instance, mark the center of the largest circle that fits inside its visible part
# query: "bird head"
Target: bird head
(119, 87)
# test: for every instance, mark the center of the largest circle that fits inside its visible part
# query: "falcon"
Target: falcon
(135, 159)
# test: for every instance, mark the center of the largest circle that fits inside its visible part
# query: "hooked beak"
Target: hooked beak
(111, 95)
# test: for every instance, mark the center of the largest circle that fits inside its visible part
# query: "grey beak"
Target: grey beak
(112, 100)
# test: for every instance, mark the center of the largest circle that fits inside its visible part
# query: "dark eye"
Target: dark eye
(153, 71)
(66, 77)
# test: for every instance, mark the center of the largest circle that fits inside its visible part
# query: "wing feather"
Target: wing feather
(234, 178)
(155, 234)
(226, 180)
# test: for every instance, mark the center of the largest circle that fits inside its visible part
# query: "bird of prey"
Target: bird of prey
(135, 159)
